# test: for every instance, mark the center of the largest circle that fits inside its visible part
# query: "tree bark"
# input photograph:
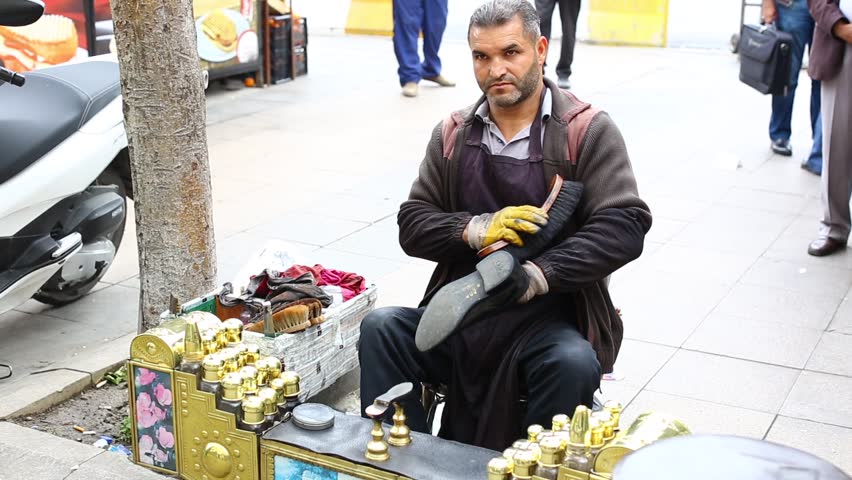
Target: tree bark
(165, 115)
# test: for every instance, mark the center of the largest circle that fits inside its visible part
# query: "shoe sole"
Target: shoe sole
(449, 307)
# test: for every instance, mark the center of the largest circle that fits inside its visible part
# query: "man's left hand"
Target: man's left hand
(538, 284)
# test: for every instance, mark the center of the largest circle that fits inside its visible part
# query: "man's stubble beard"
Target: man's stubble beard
(523, 89)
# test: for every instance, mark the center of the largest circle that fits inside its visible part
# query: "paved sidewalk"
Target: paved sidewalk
(729, 323)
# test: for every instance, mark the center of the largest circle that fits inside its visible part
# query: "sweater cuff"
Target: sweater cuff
(547, 269)
(457, 234)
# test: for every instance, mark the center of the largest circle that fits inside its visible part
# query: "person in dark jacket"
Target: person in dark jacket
(792, 16)
(569, 12)
(486, 169)
(831, 62)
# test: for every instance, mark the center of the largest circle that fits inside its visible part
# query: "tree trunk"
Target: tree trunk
(165, 115)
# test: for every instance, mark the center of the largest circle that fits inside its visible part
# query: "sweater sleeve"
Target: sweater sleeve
(427, 227)
(826, 14)
(613, 219)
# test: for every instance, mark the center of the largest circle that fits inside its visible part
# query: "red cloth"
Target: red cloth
(350, 284)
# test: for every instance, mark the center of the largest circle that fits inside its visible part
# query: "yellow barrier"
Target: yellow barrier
(629, 22)
(370, 17)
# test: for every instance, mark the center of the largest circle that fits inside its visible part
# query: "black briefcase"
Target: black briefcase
(766, 57)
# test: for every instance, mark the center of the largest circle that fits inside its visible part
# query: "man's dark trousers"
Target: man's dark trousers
(569, 11)
(410, 17)
(558, 366)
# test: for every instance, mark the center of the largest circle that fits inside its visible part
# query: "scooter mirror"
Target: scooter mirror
(17, 13)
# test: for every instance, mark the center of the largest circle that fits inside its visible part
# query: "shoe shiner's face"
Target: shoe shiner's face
(506, 62)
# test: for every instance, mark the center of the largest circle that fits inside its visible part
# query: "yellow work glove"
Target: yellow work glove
(488, 228)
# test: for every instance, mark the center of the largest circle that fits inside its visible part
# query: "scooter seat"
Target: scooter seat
(53, 104)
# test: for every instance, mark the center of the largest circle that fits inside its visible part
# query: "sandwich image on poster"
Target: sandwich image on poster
(52, 40)
(225, 34)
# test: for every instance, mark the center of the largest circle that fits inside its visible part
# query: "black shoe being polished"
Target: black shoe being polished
(498, 281)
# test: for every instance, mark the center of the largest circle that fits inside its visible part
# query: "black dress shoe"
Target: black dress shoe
(825, 246)
(782, 147)
(498, 281)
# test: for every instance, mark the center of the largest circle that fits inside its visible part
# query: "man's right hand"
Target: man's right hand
(506, 224)
(843, 31)
(770, 13)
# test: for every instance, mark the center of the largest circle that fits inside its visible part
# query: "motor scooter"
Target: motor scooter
(64, 174)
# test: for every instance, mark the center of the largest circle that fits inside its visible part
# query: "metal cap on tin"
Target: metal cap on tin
(234, 330)
(274, 367)
(252, 354)
(277, 384)
(524, 463)
(606, 422)
(249, 376)
(209, 342)
(253, 410)
(291, 384)
(262, 366)
(270, 400)
(597, 436)
(560, 422)
(499, 468)
(550, 452)
(533, 432)
(614, 407)
(214, 368)
(232, 387)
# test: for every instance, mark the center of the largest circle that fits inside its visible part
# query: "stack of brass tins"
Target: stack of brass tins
(648, 428)
(233, 331)
(500, 468)
(292, 389)
(242, 352)
(614, 409)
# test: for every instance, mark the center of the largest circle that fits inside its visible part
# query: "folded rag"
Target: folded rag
(351, 284)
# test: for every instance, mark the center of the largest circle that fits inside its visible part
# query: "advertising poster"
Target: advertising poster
(227, 33)
(56, 38)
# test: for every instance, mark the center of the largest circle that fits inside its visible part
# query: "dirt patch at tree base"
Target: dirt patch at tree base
(99, 410)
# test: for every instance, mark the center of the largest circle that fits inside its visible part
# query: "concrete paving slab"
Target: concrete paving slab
(712, 265)
(792, 246)
(734, 230)
(734, 336)
(829, 442)
(832, 354)
(638, 362)
(111, 312)
(701, 416)
(620, 392)
(815, 280)
(780, 305)
(842, 322)
(822, 398)
(374, 241)
(304, 228)
(111, 466)
(783, 203)
(24, 341)
(35, 393)
(26, 453)
(727, 381)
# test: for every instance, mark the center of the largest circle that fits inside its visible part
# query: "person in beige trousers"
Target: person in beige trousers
(831, 62)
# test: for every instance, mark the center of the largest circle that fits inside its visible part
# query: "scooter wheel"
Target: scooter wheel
(50, 293)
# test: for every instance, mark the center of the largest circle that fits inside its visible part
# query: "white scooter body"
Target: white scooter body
(67, 170)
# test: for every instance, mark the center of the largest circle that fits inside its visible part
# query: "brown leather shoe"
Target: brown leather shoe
(825, 246)
(442, 81)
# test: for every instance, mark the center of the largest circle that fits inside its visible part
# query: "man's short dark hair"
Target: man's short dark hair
(495, 13)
